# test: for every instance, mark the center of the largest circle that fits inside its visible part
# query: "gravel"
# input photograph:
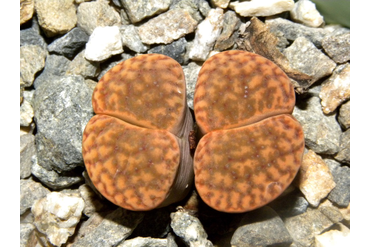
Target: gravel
(67, 46)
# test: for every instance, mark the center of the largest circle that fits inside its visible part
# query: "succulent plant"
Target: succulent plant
(135, 148)
(251, 147)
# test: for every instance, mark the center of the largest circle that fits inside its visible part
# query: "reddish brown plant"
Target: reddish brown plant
(136, 148)
(251, 147)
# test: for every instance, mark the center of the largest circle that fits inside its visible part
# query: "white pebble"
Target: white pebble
(103, 43)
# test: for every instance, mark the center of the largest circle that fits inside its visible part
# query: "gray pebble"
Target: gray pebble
(189, 229)
(175, 50)
(62, 109)
(69, 44)
(344, 148)
(340, 195)
(262, 227)
(305, 57)
(27, 153)
(322, 132)
(338, 47)
(344, 117)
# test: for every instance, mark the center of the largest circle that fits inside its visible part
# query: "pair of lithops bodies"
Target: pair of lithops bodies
(136, 147)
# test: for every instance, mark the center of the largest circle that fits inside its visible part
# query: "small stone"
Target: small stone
(334, 238)
(229, 32)
(92, 202)
(315, 180)
(221, 3)
(171, 242)
(32, 60)
(53, 179)
(204, 7)
(304, 227)
(21, 90)
(31, 36)
(120, 224)
(97, 14)
(291, 31)
(261, 8)
(340, 195)
(322, 133)
(57, 216)
(56, 16)
(26, 232)
(175, 50)
(191, 72)
(27, 113)
(62, 109)
(80, 66)
(131, 39)
(331, 212)
(336, 89)
(344, 148)
(103, 43)
(69, 44)
(193, 7)
(140, 241)
(338, 47)
(304, 11)
(263, 227)
(305, 57)
(55, 66)
(27, 9)
(344, 115)
(189, 229)
(346, 212)
(27, 153)
(30, 192)
(139, 10)
(206, 35)
(167, 27)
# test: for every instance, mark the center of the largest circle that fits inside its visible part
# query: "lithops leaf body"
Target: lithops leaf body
(251, 147)
(135, 148)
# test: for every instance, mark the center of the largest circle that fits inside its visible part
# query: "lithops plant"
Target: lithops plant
(136, 148)
(251, 147)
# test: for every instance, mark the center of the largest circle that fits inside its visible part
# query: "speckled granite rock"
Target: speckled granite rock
(206, 35)
(96, 14)
(56, 16)
(139, 10)
(27, 153)
(344, 148)
(27, 10)
(62, 110)
(69, 44)
(130, 38)
(57, 215)
(314, 178)
(120, 223)
(336, 89)
(305, 57)
(344, 117)
(229, 34)
(263, 227)
(80, 66)
(189, 229)
(338, 47)
(322, 133)
(167, 27)
(30, 192)
(32, 60)
(304, 227)
(191, 74)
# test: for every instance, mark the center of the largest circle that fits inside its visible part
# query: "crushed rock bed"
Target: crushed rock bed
(67, 46)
